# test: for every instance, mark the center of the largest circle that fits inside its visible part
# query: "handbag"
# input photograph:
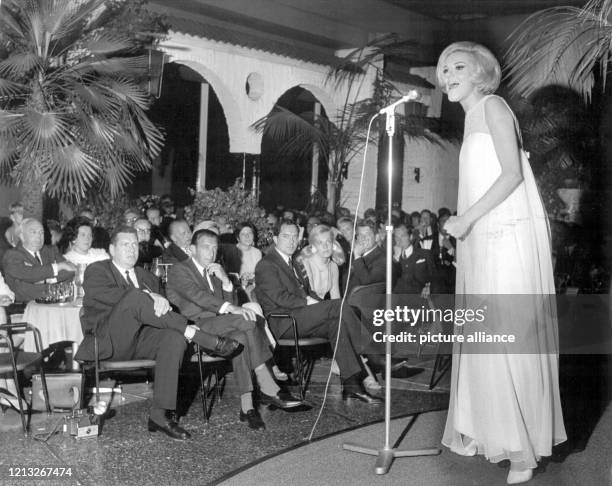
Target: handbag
(65, 391)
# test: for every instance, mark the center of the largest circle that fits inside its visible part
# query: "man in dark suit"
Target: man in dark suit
(180, 235)
(443, 254)
(201, 289)
(369, 263)
(278, 289)
(31, 265)
(416, 266)
(131, 320)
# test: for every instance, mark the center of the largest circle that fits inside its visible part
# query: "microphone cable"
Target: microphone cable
(346, 286)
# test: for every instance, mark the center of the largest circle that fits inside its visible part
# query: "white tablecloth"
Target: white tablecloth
(56, 322)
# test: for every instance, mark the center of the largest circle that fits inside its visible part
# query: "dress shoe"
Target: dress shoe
(253, 418)
(361, 395)
(171, 428)
(282, 399)
(519, 476)
(227, 347)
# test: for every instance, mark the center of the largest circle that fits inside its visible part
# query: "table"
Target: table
(56, 322)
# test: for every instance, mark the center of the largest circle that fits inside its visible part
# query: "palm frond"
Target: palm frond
(94, 96)
(106, 43)
(45, 130)
(561, 45)
(126, 90)
(19, 64)
(69, 169)
(10, 88)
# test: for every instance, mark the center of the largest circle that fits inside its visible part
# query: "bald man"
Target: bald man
(32, 265)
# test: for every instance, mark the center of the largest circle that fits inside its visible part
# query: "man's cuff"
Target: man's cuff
(229, 287)
(223, 309)
(55, 270)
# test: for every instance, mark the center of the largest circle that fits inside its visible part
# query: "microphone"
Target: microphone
(413, 95)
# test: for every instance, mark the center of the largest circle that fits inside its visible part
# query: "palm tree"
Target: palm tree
(341, 138)
(72, 112)
(561, 45)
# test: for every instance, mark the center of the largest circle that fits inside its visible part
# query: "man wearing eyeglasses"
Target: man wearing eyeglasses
(279, 289)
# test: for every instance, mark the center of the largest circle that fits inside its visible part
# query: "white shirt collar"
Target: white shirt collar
(369, 251)
(283, 255)
(200, 268)
(130, 270)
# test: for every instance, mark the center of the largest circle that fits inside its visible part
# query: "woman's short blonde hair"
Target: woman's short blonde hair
(487, 73)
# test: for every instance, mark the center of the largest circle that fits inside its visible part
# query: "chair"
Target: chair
(105, 366)
(213, 362)
(304, 360)
(17, 361)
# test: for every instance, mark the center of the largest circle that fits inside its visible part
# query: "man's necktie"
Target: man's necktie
(209, 280)
(129, 279)
(38, 258)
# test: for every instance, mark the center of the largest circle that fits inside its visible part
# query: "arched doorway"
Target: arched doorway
(178, 111)
(288, 180)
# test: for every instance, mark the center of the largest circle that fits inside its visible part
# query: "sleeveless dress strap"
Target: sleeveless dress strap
(517, 129)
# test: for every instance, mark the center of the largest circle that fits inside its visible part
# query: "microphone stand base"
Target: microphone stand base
(385, 457)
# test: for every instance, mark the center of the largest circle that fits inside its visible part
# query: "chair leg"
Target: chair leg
(202, 388)
(217, 383)
(24, 425)
(298, 361)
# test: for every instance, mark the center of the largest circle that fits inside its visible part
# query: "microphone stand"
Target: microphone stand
(387, 454)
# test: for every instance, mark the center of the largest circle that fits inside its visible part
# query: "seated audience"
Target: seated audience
(322, 276)
(249, 256)
(180, 236)
(76, 243)
(443, 253)
(415, 220)
(427, 232)
(53, 233)
(345, 238)
(11, 234)
(130, 216)
(122, 305)
(101, 238)
(147, 250)
(279, 289)
(30, 266)
(157, 236)
(201, 289)
(168, 213)
(369, 264)
(416, 266)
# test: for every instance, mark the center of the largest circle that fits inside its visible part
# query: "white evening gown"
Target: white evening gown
(502, 405)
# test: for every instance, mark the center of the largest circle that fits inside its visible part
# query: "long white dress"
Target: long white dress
(504, 405)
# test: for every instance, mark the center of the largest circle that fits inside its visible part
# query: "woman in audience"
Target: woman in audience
(504, 403)
(320, 261)
(76, 243)
(248, 256)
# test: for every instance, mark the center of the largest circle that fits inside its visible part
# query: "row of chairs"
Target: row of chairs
(15, 361)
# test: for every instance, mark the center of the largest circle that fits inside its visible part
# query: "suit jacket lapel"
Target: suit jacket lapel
(119, 278)
(283, 264)
(28, 255)
(199, 277)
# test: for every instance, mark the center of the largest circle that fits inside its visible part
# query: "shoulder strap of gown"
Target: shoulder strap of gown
(517, 129)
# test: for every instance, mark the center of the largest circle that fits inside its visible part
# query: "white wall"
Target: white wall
(439, 165)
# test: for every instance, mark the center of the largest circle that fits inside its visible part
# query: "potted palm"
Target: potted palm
(563, 47)
(72, 109)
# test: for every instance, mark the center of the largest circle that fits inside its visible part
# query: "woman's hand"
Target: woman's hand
(458, 227)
